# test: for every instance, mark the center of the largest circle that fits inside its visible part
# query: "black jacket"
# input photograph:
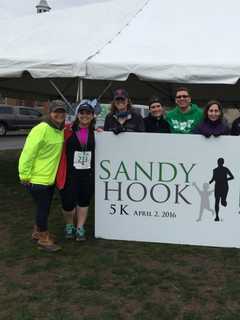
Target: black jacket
(134, 123)
(158, 125)
(236, 127)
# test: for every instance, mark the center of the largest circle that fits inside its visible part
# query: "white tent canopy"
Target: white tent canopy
(59, 44)
(184, 41)
(156, 40)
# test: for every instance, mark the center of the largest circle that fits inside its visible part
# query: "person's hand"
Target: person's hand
(99, 130)
(25, 183)
(207, 135)
(118, 130)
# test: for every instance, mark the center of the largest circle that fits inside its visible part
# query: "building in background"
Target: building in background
(41, 105)
(43, 7)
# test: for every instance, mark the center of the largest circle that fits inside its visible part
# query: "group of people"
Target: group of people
(186, 117)
(62, 156)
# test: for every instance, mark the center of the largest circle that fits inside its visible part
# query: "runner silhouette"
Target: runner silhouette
(205, 202)
(221, 176)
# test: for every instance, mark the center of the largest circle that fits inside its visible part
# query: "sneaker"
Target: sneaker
(69, 231)
(80, 234)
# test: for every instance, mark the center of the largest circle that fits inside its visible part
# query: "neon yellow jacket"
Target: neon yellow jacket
(41, 154)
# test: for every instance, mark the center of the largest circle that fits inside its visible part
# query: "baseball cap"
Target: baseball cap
(120, 94)
(57, 105)
(85, 105)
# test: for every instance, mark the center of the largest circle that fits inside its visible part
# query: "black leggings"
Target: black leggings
(42, 196)
(77, 192)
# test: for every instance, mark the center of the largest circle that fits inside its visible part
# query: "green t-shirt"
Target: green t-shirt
(184, 122)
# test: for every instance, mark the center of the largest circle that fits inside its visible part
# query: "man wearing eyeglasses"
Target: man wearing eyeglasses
(186, 115)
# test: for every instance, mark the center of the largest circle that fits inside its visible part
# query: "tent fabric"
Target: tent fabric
(186, 41)
(157, 41)
(59, 44)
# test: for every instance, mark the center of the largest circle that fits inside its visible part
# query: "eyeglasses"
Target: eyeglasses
(182, 96)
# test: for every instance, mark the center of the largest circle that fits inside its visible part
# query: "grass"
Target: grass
(106, 280)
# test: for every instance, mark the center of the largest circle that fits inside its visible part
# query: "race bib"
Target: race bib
(82, 160)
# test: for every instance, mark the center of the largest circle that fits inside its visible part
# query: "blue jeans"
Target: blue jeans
(42, 196)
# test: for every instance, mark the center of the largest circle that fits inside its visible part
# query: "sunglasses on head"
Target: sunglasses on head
(184, 96)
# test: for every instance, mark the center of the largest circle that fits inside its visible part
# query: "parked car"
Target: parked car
(15, 118)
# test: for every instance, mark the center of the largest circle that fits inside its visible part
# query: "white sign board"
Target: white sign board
(156, 187)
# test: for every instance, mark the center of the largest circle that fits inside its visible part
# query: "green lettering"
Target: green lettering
(147, 174)
(122, 170)
(187, 172)
(105, 169)
(161, 166)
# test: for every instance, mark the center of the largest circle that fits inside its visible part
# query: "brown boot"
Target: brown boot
(36, 234)
(46, 243)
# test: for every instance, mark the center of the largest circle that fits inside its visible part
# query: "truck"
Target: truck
(18, 117)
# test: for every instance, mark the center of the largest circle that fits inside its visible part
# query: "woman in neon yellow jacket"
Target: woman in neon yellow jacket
(38, 166)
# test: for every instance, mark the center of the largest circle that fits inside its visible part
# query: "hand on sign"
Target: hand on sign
(119, 130)
(207, 135)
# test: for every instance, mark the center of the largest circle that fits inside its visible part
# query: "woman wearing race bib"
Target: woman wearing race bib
(75, 177)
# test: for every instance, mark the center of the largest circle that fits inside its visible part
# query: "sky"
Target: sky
(12, 8)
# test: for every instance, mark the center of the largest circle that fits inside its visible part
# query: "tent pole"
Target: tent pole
(61, 95)
(105, 89)
(79, 90)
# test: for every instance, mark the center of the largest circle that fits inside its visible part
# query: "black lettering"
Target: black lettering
(168, 193)
(122, 210)
(118, 190)
(144, 192)
(113, 208)
(179, 194)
